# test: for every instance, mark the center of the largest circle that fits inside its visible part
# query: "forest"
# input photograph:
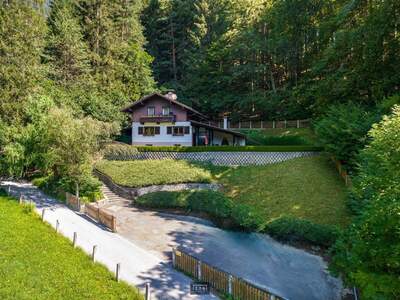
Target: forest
(68, 67)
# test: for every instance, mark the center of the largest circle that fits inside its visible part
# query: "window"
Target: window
(166, 110)
(181, 130)
(148, 130)
(169, 129)
(151, 111)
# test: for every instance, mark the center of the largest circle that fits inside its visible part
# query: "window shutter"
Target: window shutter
(169, 130)
(187, 130)
(140, 130)
(157, 130)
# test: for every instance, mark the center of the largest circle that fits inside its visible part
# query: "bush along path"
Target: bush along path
(137, 266)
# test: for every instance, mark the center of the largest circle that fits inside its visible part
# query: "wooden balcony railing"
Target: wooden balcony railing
(158, 119)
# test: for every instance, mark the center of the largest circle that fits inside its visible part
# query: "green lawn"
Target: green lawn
(307, 188)
(280, 136)
(149, 172)
(37, 263)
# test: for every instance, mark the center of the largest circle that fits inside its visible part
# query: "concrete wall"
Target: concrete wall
(162, 139)
(158, 104)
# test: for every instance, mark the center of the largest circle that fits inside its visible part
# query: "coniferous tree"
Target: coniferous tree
(22, 40)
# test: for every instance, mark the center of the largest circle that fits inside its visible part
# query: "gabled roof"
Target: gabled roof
(145, 98)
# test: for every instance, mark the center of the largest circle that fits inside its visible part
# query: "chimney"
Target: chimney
(225, 122)
(171, 96)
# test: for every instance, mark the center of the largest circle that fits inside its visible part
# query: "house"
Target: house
(161, 120)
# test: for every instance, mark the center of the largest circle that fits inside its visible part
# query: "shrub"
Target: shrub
(164, 200)
(289, 229)
(343, 131)
(214, 203)
(257, 137)
(283, 148)
(248, 217)
(122, 151)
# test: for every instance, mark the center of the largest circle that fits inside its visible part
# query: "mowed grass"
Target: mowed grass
(307, 188)
(141, 173)
(37, 263)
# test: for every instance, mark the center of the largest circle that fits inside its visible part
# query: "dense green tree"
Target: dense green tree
(368, 255)
(22, 40)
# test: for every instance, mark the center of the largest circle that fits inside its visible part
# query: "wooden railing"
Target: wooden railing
(256, 124)
(342, 172)
(101, 216)
(219, 280)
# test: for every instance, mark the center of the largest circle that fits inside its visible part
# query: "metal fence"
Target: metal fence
(219, 280)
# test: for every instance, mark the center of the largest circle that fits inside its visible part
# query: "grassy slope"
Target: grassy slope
(147, 172)
(307, 188)
(37, 263)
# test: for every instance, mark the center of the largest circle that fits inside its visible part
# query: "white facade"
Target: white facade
(162, 139)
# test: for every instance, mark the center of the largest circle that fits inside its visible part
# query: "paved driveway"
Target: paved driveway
(290, 272)
(138, 266)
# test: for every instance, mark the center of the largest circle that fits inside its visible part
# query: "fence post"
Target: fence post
(262, 124)
(298, 123)
(117, 271)
(239, 125)
(199, 270)
(147, 294)
(285, 123)
(43, 211)
(74, 239)
(273, 124)
(173, 257)
(57, 225)
(21, 199)
(9, 189)
(94, 252)
(230, 284)
(250, 124)
(114, 224)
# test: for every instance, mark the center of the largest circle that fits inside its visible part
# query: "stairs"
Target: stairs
(111, 197)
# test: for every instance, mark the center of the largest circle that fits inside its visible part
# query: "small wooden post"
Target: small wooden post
(21, 199)
(298, 123)
(114, 224)
(199, 270)
(9, 189)
(285, 123)
(43, 212)
(94, 252)
(117, 271)
(273, 124)
(147, 293)
(173, 257)
(250, 124)
(57, 225)
(230, 284)
(74, 239)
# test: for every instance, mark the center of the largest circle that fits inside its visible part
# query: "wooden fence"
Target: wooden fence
(73, 201)
(342, 172)
(256, 124)
(101, 216)
(219, 280)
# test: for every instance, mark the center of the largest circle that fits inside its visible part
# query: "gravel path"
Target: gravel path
(138, 266)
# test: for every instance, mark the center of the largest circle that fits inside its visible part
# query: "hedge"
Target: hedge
(227, 214)
(282, 148)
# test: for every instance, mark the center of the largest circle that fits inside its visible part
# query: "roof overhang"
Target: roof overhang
(199, 124)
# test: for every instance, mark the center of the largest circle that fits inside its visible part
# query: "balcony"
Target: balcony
(158, 119)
